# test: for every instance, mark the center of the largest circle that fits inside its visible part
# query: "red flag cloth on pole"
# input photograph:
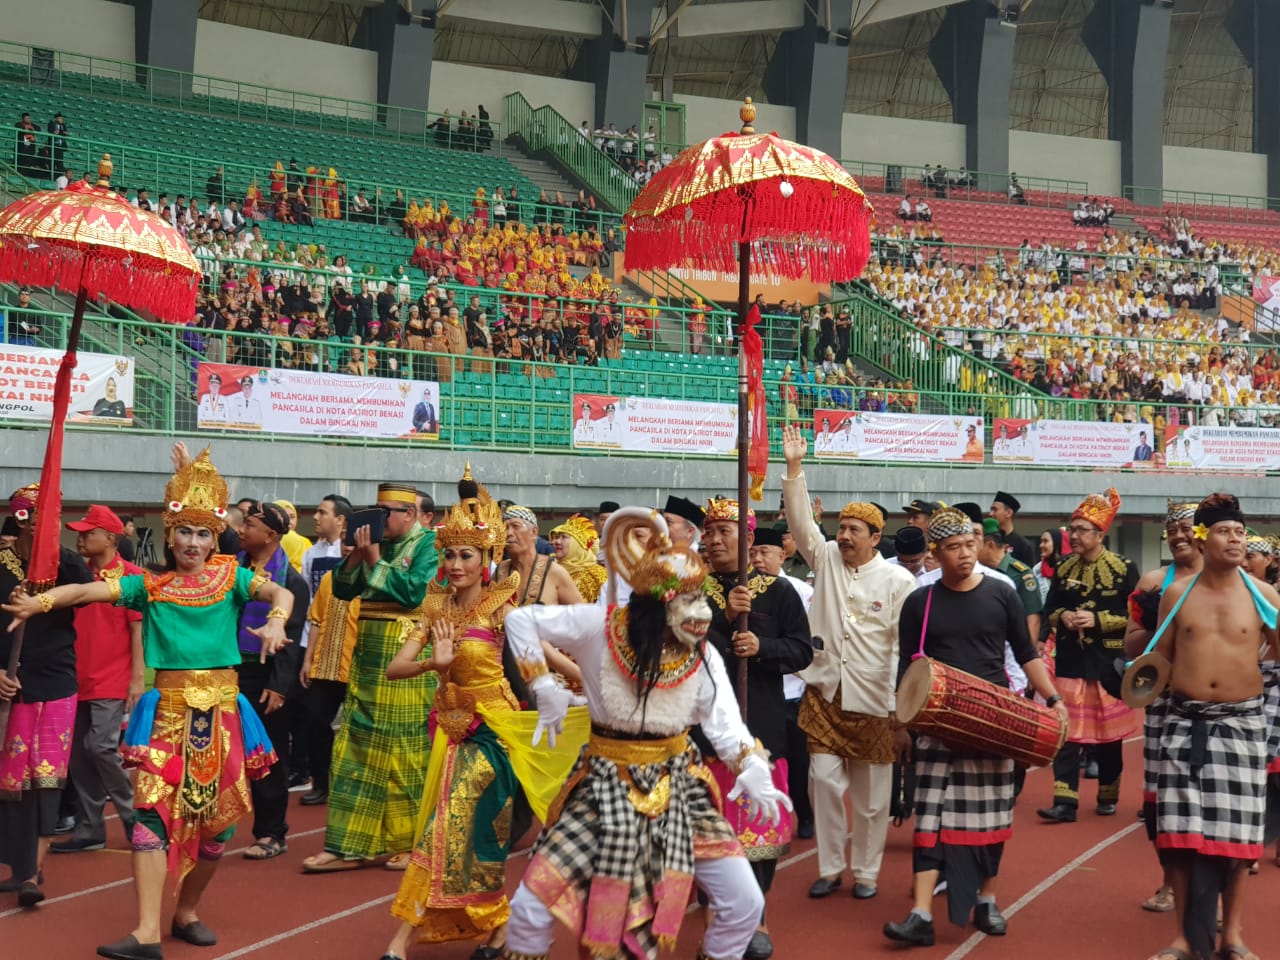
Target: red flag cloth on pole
(758, 452)
(42, 571)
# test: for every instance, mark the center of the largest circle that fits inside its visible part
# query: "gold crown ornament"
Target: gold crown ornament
(196, 496)
(582, 530)
(474, 521)
(652, 566)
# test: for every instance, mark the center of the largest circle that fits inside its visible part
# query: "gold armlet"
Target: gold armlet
(755, 749)
(278, 613)
(531, 669)
(259, 581)
(46, 602)
(113, 586)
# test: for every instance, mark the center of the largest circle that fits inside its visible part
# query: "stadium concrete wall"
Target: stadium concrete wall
(286, 63)
(461, 86)
(708, 116)
(874, 139)
(90, 27)
(1215, 171)
(1067, 158)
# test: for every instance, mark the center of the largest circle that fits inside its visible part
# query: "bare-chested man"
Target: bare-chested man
(1211, 794)
(1144, 610)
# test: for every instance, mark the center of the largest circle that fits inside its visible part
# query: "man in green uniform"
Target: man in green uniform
(995, 554)
(381, 750)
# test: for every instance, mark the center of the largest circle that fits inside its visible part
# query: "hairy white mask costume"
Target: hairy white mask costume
(637, 814)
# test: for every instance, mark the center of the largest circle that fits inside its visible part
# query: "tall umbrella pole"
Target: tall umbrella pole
(50, 488)
(744, 444)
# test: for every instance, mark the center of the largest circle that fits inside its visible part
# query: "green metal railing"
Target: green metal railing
(187, 174)
(214, 96)
(524, 406)
(1043, 345)
(545, 129)
(1207, 205)
(976, 184)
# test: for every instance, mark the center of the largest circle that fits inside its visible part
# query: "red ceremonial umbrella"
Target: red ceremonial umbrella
(728, 200)
(90, 241)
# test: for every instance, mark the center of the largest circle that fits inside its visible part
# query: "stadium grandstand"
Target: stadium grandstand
(1072, 214)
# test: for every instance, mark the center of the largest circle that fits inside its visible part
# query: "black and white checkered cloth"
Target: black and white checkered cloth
(962, 799)
(600, 834)
(1211, 788)
(1271, 707)
(1152, 730)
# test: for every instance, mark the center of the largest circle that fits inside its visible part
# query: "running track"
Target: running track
(1068, 890)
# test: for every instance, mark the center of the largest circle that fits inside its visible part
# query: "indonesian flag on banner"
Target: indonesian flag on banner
(758, 422)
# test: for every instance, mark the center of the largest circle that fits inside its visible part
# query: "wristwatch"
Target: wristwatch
(1054, 700)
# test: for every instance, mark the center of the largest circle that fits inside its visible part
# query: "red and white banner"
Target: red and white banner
(646, 425)
(1266, 291)
(1222, 448)
(101, 386)
(855, 435)
(317, 404)
(1071, 443)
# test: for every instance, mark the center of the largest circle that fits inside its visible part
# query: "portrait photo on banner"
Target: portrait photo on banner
(597, 421)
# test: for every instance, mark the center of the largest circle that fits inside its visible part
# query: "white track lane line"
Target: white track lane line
(1044, 885)
(129, 879)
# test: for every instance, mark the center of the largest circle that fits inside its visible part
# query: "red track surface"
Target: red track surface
(1069, 891)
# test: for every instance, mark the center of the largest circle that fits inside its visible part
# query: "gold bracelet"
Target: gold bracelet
(47, 602)
(278, 613)
(531, 669)
(755, 749)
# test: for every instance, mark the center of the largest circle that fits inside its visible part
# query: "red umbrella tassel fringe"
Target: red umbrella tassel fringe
(134, 280)
(810, 233)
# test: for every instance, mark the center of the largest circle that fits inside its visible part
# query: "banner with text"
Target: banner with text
(101, 386)
(1222, 448)
(1071, 443)
(318, 404)
(856, 435)
(646, 425)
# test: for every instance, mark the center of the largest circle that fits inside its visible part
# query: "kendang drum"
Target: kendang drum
(967, 712)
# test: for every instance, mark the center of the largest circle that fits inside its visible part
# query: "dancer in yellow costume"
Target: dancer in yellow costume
(575, 542)
(453, 887)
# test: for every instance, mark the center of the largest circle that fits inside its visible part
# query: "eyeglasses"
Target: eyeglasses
(1080, 531)
(390, 510)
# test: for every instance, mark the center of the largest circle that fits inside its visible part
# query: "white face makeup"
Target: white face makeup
(689, 616)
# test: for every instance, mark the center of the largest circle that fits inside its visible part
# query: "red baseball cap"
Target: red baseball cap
(98, 518)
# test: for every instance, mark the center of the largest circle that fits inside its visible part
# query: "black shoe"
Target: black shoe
(486, 952)
(1106, 809)
(29, 894)
(299, 779)
(822, 887)
(130, 949)
(1091, 770)
(314, 798)
(194, 933)
(65, 825)
(864, 891)
(760, 947)
(915, 930)
(1058, 813)
(988, 918)
(78, 845)
(805, 830)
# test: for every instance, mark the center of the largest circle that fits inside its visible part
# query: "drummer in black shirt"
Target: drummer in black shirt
(964, 799)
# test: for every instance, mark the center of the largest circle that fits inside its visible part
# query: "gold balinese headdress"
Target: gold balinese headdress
(1100, 510)
(196, 496)
(582, 530)
(474, 521)
(654, 569)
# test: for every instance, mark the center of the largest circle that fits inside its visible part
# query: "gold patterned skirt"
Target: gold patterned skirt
(853, 736)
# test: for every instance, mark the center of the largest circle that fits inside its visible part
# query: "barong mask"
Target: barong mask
(668, 574)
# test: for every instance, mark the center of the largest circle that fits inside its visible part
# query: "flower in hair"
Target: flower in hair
(1201, 531)
(175, 506)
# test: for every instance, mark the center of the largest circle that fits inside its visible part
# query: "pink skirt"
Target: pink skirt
(37, 747)
(1096, 716)
(760, 839)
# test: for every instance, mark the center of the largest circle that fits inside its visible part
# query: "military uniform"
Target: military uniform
(1025, 582)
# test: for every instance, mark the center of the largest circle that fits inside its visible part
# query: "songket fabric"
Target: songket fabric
(37, 746)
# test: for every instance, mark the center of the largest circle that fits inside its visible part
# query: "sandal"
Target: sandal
(399, 861)
(330, 863)
(1160, 902)
(1172, 953)
(1237, 951)
(266, 849)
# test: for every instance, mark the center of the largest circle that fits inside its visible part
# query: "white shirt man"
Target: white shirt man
(857, 597)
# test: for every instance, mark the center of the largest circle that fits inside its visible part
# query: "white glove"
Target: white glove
(554, 702)
(762, 796)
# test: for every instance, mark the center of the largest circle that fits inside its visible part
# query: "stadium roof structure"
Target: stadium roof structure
(721, 48)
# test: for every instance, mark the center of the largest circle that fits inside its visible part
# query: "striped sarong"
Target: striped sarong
(381, 750)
